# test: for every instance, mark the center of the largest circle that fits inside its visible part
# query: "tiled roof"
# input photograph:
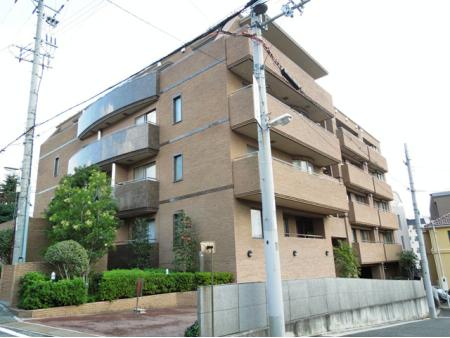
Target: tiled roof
(441, 221)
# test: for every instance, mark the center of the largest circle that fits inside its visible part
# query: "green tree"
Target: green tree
(8, 198)
(408, 263)
(346, 262)
(141, 245)
(69, 258)
(84, 210)
(6, 245)
(185, 244)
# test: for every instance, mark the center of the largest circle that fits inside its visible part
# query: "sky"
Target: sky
(388, 63)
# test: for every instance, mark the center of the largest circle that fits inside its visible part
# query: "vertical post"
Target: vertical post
(271, 249)
(113, 175)
(423, 254)
(212, 293)
(201, 259)
(21, 228)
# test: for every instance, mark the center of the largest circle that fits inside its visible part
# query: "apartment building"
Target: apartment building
(181, 136)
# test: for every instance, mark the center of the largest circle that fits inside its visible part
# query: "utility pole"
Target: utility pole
(21, 230)
(423, 254)
(274, 289)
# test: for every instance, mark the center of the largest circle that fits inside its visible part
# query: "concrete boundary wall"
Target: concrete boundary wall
(313, 306)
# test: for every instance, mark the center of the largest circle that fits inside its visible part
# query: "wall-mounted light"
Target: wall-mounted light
(249, 253)
(326, 253)
(295, 253)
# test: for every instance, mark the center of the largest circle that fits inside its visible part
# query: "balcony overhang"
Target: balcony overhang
(130, 97)
(137, 198)
(126, 146)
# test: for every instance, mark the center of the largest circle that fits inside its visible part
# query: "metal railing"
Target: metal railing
(290, 234)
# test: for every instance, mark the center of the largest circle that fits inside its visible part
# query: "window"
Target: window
(177, 112)
(448, 232)
(304, 226)
(361, 199)
(382, 205)
(355, 239)
(257, 229)
(388, 238)
(56, 167)
(151, 231)
(145, 171)
(403, 242)
(365, 235)
(303, 166)
(149, 117)
(176, 218)
(286, 225)
(177, 168)
(251, 149)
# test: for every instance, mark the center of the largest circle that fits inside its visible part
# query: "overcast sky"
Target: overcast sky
(388, 64)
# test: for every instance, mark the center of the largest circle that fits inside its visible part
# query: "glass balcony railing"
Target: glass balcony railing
(127, 98)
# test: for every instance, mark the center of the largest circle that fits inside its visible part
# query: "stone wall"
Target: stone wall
(313, 306)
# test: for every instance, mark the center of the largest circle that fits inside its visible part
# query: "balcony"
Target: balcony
(363, 214)
(125, 146)
(300, 137)
(293, 188)
(369, 253)
(312, 99)
(352, 146)
(124, 100)
(392, 252)
(376, 160)
(382, 189)
(137, 197)
(357, 178)
(388, 220)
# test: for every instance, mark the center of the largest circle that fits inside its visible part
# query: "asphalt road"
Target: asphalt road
(439, 327)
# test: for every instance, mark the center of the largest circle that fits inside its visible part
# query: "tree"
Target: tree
(84, 210)
(185, 245)
(8, 198)
(408, 263)
(6, 245)
(69, 257)
(346, 262)
(141, 245)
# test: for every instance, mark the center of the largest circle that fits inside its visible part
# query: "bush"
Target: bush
(193, 330)
(38, 292)
(6, 245)
(117, 284)
(69, 257)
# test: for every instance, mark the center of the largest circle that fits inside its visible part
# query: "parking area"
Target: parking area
(155, 322)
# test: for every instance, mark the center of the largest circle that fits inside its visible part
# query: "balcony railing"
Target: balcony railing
(137, 197)
(290, 234)
(377, 160)
(382, 189)
(311, 98)
(360, 213)
(388, 220)
(357, 178)
(370, 252)
(124, 100)
(352, 145)
(392, 251)
(300, 137)
(125, 146)
(293, 188)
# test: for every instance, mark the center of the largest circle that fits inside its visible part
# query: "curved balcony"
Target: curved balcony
(130, 97)
(125, 146)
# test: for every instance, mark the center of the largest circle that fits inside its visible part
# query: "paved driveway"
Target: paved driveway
(154, 323)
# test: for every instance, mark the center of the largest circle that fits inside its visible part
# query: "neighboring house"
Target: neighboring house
(439, 204)
(402, 235)
(437, 239)
(181, 136)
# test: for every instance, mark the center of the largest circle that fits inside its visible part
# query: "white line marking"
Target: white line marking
(52, 327)
(12, 333)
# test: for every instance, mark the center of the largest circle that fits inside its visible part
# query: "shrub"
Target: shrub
(6, 244)
(193, 330)
(38, 292)
(117, 284)
(69, 257)
(346, 262)
(185, 244)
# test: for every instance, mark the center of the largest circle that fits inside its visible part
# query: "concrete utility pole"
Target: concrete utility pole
(423, 254)
(21, 231)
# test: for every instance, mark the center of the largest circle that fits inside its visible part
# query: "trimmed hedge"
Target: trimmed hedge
(116, 284)
(38, 292)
